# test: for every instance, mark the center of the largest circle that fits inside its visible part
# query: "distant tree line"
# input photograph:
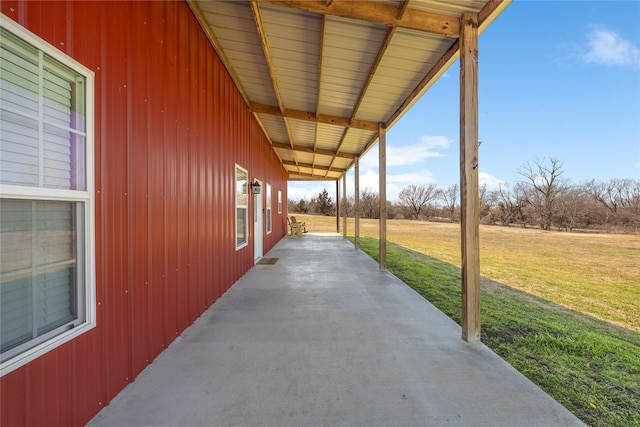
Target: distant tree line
(544, 199)
(319, 205)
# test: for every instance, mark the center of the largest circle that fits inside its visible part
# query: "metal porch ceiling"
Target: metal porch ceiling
(322, 77)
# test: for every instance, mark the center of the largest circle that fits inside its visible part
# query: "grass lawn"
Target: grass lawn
(544, 298)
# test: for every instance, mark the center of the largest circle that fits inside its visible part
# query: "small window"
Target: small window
(279, 201)
(268, 195)
(47, 277)
(242, 206)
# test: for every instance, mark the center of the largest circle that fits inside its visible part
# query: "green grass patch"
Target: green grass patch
(588, 365)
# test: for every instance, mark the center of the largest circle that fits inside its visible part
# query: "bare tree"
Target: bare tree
(620, 197)
(449, 197)
(486, 203)
(416, 197)
(544, 186)
(510, 203)
(369, 204)
(571, 209)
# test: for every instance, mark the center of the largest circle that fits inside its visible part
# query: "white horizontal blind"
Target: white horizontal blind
(38, 257)
(42, 145)
(20, 105)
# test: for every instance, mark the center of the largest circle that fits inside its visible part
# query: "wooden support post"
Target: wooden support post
(337, 206)
(356, 202)
(382, 167)
(344, 211)
(469, 202)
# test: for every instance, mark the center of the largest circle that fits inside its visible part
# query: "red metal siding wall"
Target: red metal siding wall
(170, 126)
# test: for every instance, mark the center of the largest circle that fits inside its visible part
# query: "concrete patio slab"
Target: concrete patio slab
(324, 338)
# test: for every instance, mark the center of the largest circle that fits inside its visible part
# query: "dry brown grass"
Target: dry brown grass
(596, 274)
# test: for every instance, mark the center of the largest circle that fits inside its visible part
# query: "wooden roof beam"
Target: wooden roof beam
(311, 166)
(257, 17)
(379, 13)
(283, 146)
(299, 176)
(313, 117)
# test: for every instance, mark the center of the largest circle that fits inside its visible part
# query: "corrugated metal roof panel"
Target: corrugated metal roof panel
(274, 126)
(449, 7)
(304, 133)
(239, 38)
(346, 66)
(356, 138)
(294, 42)
(327, 136)
(285, 155)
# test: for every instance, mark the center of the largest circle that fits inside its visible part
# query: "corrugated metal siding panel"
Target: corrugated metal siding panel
(114, 255)
(170, 125)
(138, 170)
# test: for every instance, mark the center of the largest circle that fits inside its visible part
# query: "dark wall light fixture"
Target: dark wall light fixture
(255, 187)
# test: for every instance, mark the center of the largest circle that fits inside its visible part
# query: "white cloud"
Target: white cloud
(609, 48)
(307, 190)
(637, 165)
(410, 154)
(418, 178)
(490, 181)
(370, 179)
(429, 146)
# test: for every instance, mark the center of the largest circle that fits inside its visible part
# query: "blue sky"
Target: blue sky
(556, 79)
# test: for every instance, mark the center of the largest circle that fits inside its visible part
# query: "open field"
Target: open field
(596, 274)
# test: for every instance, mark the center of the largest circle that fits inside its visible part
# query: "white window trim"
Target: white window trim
(236, 205)
(269, 209)
(86, 197)
(279, 201)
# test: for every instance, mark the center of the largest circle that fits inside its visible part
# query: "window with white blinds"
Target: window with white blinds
(268, 195)
(242, 207)
(43, 135)
(47, 279)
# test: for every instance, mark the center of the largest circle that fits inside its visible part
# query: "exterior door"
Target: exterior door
(258, 228)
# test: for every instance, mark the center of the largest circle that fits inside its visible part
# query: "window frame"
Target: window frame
(279, 201)
(84, 197)
(245, 192)
(268, 218)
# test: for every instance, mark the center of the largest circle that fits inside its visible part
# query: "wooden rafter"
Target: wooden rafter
(313, 117)
(299, 176)
(303, 149)
(402, 8)
(257, 17)
(379, 13)
(320, 56)
(311, 166)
